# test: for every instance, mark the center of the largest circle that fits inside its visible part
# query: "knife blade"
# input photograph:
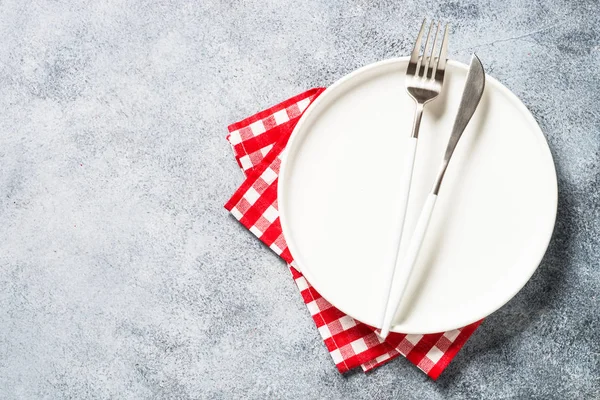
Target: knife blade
(474, 86)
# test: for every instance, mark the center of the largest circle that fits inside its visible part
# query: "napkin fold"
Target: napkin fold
(258, 142)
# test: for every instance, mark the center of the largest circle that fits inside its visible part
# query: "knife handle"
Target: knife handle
(404, 265)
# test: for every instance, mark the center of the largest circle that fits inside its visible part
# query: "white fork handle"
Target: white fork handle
(404, 265)
(405, 182)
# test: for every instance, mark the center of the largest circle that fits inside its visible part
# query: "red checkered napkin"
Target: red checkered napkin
(257, 143)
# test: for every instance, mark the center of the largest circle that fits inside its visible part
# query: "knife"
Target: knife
(471, 96)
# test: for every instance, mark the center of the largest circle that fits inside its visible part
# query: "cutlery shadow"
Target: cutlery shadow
(438, 107)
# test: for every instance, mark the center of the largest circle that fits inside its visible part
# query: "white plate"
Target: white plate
(339, 186)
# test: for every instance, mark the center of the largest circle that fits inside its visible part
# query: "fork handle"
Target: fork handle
(417, 120)
(404, 265)
(405, 182)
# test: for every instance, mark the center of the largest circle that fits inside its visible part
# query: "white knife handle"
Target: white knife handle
(405, 265)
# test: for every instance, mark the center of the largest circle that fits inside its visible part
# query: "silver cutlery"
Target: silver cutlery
(424, 80)
(471, 96)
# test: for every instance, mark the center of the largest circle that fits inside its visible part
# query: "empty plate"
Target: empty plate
(339, 189)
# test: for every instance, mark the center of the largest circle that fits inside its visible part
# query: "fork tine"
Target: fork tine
(441, 66)
(414, 56)
(425, 59)
(430, 57)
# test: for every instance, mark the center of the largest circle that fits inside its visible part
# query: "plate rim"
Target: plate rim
(331, 91)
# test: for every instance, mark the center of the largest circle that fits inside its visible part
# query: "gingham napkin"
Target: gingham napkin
(257, 143)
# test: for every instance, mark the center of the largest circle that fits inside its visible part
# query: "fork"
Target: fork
(424, 80)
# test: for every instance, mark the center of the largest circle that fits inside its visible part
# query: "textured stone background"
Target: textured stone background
(122, 276)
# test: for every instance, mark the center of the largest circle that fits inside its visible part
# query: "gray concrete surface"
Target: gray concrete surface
(122, 276)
